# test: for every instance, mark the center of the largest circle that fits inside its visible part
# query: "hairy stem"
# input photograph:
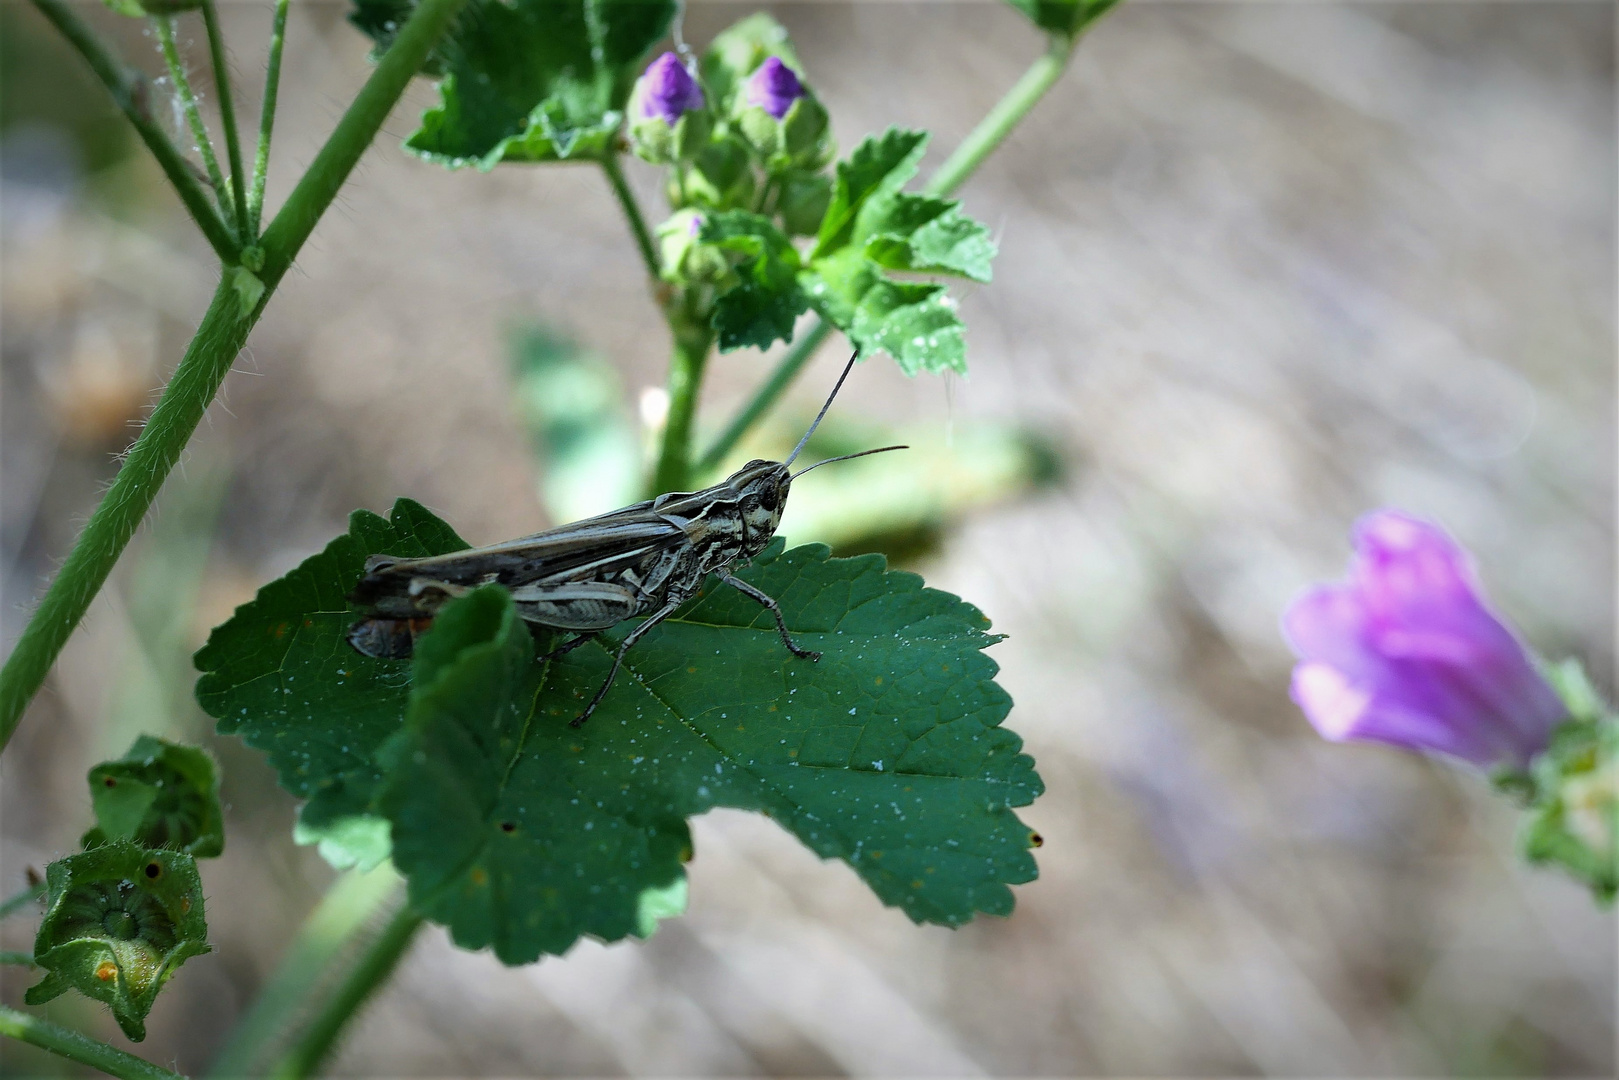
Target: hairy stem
(80, 1048)
(632, 212)
(227, 112)
(272, 83)
(219, 338)
(349, 905)
(132, 94)
(18, 901)
(372, 971)
(188, 101)
(693, 340)
(991, 131)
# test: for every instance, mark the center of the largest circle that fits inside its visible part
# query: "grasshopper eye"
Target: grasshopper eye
(770, 497)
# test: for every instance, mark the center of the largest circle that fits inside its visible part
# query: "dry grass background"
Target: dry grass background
(1264, 266)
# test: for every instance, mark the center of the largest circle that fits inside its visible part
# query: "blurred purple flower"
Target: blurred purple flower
(666, 90)
(773, 87)
(1406, 652)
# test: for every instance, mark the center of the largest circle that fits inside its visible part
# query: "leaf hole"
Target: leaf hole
(508, 826)
(1035, 839)
(153, 870)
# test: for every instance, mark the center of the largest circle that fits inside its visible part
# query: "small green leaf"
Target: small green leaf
(119, 920)
(281, 674)
(520, 832)
(902, 231)
(882, 164)
(872, 226)
(1065, 17)
(529, 80)
(160, 795)
(765, 300)
(914, 322)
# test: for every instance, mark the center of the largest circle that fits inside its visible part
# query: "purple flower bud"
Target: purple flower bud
(1406, 652)
(773, 87)
(666, 90)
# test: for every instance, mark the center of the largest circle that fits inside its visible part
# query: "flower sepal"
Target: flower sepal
(161, 795)
(1571, 790)
(119, 919)
(655, 140)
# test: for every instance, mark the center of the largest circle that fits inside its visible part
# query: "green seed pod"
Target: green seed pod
(119, 919)
(160, 795)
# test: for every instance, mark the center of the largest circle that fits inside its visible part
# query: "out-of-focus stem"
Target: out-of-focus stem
(132, 94)
(188, 101)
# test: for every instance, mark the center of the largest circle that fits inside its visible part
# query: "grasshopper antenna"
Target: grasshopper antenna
(845, 457)
(818, 416)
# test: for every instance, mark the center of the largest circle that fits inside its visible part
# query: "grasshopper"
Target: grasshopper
(644, 560)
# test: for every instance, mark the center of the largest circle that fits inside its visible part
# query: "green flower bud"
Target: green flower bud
(686, 259)
(119, 920)
(160, 795)
(721, 177)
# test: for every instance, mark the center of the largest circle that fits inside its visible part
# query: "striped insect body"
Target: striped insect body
(644, 560)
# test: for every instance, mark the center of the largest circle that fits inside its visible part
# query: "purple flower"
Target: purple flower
(773, 87)
(1406, 652)
(666, 90)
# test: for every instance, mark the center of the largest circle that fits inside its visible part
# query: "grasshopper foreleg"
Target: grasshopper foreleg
(775, 609)
(618, 658)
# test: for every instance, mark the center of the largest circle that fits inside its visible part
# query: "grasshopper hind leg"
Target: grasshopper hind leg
(618, 657)
(567, 647)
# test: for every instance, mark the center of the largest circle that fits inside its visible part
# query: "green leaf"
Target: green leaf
(529, 80)
(160, 795)
(282, 676)
(520, 832)
(765, 300)
(119, 919)
(914, 322)
(902, 231)
(1065, 17)
(882, 164)
(872, 226)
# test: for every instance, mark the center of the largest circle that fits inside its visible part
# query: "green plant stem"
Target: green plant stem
(227, 113)
(219, 338)
(21, 959)
(272, 83)
(188, 101)
(632, 212)
(80, 1048)
(348, 906)
(132, 94)
(1000, 121)
(18, 901)
(991, 131)
(692, 341)
(767, 395)
(372, 971)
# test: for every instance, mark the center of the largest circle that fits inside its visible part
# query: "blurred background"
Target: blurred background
(1263, 267)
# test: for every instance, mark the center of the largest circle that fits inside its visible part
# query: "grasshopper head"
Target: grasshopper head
(761, 494)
